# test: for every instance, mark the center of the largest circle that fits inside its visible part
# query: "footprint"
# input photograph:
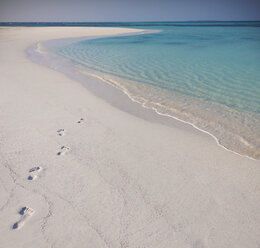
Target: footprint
(25, 213)
(61, 132)
(63, 150)
(35, 169)
(81, 120)
(33, 173)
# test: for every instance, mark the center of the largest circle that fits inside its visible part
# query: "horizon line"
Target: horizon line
(128, 21)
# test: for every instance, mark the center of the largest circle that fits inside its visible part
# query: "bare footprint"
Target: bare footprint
(33, 173)
(81, 120)
(63, 150)
(25, 213)
(61, 132)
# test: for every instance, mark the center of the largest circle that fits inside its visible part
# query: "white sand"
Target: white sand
(121, 181)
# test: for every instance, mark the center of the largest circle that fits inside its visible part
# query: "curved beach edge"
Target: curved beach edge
(76, 170)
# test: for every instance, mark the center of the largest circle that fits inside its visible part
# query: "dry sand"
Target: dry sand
(76, 171)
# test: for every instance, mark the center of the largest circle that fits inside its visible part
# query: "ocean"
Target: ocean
(203, 73)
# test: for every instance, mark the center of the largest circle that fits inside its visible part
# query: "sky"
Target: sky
(127, 10)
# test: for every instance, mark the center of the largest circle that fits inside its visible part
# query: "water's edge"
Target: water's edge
(38, 54)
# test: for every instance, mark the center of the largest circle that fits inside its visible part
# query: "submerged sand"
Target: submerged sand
(76, 171)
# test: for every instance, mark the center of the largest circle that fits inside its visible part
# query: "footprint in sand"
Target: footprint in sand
(63, 150)
(33, 173)
(25, 213)
(81, 120)
(61, 132)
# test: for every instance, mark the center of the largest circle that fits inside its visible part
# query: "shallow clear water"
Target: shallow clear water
(206, 75)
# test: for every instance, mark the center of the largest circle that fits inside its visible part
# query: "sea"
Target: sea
(206, 74)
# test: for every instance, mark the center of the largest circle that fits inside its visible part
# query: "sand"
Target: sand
(76, 171)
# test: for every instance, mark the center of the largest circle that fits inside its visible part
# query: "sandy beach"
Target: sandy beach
(79, 170)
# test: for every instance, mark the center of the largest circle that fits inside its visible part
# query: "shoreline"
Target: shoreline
(74, 169)
(175, 118)
(31, 51)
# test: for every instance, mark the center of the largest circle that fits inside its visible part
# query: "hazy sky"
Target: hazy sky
(128, 10)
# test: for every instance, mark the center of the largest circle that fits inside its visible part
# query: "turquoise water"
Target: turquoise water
(208, 75)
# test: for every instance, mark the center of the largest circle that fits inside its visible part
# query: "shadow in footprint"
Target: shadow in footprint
(32, 177)
(34, 169)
